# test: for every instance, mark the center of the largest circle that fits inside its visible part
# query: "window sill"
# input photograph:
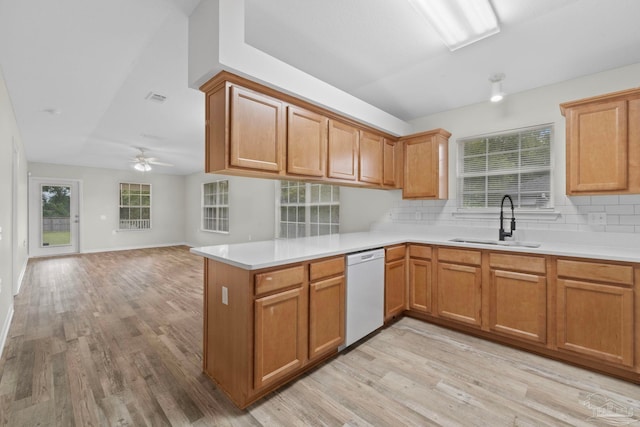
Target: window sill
(524, 214)
(214, 231)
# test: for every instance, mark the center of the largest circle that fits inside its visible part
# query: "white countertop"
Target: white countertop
(271, 253)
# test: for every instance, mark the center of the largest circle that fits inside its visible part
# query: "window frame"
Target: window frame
(216, 206)
(121, 206)
(308, 205)
(542, 212)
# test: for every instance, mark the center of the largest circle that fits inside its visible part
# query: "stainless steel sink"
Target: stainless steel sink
(496, 242)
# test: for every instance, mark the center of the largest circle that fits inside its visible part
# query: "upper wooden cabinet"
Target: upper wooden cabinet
(343, 151)
(603, 144)
(245, 130)
(392, 163)
(306, 142)
(370, 157)
(425, 165)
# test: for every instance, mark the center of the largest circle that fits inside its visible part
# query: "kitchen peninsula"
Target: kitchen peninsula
(275, 309)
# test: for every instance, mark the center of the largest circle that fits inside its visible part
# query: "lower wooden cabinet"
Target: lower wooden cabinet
(420, 278)
(326, 315)
(263, 328)
(394, 281)
(595, 310)
(518, 296)
(459, 286)
(280, 336)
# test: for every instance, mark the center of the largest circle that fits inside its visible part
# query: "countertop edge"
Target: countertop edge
(375, 240)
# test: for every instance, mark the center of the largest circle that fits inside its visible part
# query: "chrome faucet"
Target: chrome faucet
(502, 233)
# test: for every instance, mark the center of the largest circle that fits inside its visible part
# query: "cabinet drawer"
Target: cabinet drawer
(419, 251)
(326, 268)
(530, 264)
(460, 256)
(394, 252)
(596, 271)
(278, 279)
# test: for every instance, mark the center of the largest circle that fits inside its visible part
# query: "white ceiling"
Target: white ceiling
(96, 61)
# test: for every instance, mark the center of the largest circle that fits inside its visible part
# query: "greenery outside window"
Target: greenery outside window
(135, 206)
(516, 162)
(215, 206)
(306, 209)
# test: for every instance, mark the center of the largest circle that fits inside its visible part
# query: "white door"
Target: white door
(53, 216)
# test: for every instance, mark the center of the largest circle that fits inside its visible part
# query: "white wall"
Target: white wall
(533, 107)
(251, 210)
(13, 249)
(100, 195)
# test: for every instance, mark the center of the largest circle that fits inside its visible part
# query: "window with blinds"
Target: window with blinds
(215, 206)
(517, 163)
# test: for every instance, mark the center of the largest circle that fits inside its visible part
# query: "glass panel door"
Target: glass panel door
(53, 216)
(56, 215)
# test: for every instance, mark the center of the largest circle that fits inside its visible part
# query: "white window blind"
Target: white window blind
(306, 209)
(215, 206)
(517, 163)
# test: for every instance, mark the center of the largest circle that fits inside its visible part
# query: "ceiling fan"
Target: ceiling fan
(143, 163)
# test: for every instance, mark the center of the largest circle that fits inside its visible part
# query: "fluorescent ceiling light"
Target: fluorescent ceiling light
(142, 166)
(459, 22)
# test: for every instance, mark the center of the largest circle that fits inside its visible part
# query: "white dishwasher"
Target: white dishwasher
(365, 294)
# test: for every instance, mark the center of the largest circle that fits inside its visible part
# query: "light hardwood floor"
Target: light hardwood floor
(115, 339)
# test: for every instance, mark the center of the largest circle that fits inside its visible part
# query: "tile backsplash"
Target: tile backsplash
(610, 214)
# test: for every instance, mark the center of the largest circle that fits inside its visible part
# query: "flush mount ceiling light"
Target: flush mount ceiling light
(142, 166)
(459, 22)
(497, 94)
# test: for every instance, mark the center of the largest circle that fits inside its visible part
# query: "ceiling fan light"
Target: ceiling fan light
(459, 22)
(142, 167)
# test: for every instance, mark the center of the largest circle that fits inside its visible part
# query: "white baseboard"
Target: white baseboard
(129, 248)
(5, 328)
(21, 276)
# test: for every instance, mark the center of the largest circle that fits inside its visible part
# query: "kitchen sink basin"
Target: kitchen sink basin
(516, 243)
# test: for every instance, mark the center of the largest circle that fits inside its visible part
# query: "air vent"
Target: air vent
(155, 97)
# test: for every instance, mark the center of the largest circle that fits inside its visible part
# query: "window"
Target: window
(215, 206)
(135, 206)
(307, 209)
(517, 163)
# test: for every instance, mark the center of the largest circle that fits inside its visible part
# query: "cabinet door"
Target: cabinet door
(394, 288)
(596, 320)
(343, 151)
(518, 305)
(306, 142)
(426, 165)
(326, 315)
(257, 131)
(420, 285)
(459, 293)
(391, 163)
(597, 148)
(370, 156)
(280, 336)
